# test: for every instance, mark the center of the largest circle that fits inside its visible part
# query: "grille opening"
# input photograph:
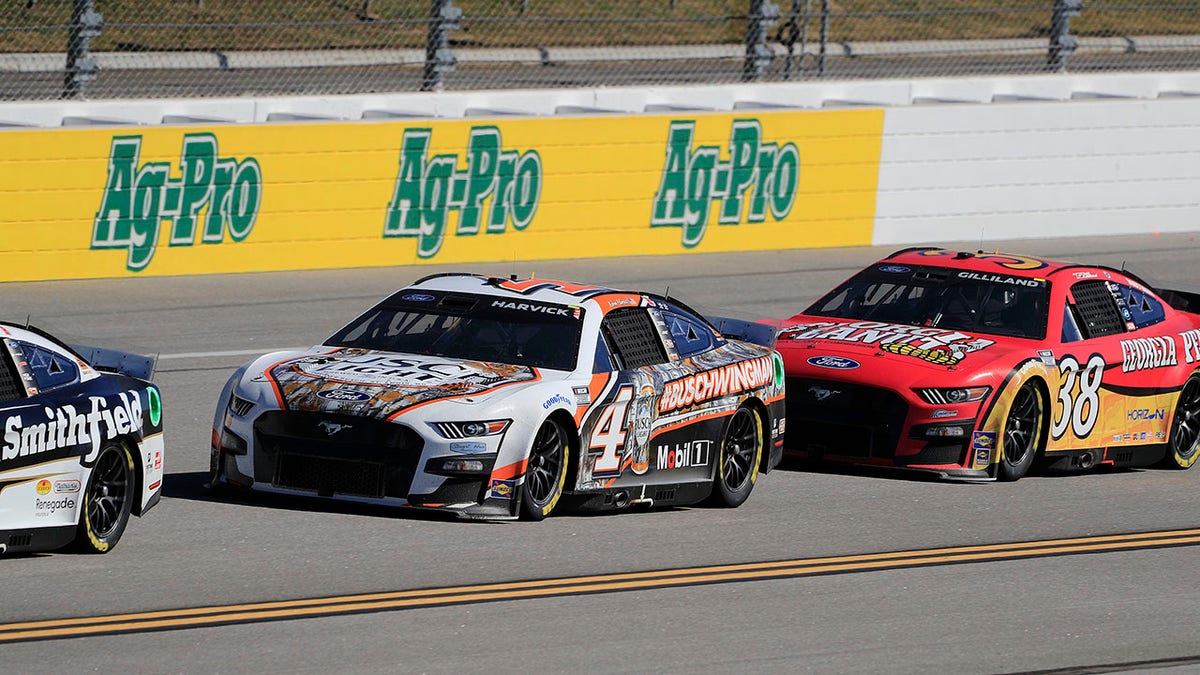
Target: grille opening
(24, 539)
(664, 495)
(329, 476)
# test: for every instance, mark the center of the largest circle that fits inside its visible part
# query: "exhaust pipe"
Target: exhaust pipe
(621, 499)
(1087, 460)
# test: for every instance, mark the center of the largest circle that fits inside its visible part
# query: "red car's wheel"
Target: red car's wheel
(1022, 432)
(1184, 445)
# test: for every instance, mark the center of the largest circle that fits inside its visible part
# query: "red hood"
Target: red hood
(811, 345)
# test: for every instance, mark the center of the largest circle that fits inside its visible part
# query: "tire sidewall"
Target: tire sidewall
(1174, 459)
(1009, 471)
(531, 509)
(735, 497)
(87, 539)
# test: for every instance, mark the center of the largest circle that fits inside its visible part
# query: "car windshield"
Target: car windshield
(471, 327)
(964, 300)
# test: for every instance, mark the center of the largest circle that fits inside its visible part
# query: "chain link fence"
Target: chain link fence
(103, 49)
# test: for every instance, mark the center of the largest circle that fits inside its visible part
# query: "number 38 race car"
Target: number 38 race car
(496, 398)
(82, 444)
(975, 365)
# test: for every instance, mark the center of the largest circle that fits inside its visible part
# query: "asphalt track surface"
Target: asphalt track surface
(827, 571)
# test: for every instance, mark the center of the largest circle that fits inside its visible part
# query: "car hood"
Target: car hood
(381, 384)
(821, 344)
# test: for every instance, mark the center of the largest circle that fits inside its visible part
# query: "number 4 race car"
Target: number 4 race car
(975, 365)
(494, 398)
(82, 445)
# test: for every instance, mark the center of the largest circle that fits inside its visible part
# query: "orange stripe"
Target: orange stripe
(510, 471)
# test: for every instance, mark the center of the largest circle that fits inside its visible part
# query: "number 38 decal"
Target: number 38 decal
(1078, 407)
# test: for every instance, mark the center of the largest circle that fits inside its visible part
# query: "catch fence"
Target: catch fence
(122, 49)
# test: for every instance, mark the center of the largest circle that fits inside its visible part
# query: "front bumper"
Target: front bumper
(352, 459)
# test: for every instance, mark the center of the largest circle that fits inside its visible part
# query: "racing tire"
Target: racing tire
(1022, 435)
(1183, 446)
(546, 472)
(739, 459)
(107, 501)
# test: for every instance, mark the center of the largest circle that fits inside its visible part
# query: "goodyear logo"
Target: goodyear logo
(212, 196)
(757, 179)
(428, 190)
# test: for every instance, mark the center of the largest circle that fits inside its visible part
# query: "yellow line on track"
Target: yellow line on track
(606, 583)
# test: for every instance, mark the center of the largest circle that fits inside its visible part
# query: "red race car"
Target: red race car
(976, 365)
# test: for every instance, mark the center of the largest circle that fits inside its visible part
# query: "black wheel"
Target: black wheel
(1185, 427)
(741, 453)
(107, 500)
(546, 472)
(1022, 432)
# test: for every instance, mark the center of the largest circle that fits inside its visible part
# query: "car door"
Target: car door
(1102, 369)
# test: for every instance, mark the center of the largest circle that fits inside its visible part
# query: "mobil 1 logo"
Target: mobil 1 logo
(757, 179)
(213, 195)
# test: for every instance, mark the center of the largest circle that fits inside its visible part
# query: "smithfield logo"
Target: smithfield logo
(427, 190)
(213, 194)
(764, 174)
(350, 395)
(834, 362)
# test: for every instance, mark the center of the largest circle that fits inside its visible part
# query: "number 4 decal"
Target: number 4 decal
(609, 435)
(1078, 410)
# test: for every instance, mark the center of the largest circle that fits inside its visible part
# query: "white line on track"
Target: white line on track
(235, 352)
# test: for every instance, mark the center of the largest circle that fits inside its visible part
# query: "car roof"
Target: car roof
(543, 290)
(996, 262)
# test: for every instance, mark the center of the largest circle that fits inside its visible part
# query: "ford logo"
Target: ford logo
(344, 395)
(418, 297)
(894, 269)
(835, 362)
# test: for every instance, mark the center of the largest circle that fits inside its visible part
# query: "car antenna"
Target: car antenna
(28, 317)
(667, 294)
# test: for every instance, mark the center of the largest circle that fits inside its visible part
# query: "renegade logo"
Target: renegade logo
(213, 194)
(764, 174)
(427, 190)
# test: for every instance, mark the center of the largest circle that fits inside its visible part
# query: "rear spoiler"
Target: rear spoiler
(1185, 301)
(113, 361)
(746, 331)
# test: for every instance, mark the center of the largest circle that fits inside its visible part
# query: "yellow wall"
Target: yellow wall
(89, 203)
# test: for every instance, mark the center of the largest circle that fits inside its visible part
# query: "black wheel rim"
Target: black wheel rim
(1021, 427)
(1186, 427)
(545, 463)
(741, 444)
(109, 492)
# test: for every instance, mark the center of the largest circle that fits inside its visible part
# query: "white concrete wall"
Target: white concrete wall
(1014, 170)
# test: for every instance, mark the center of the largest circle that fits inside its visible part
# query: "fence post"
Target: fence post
(81, 67)
(763, 14)
(1062, 43)
(439, 57)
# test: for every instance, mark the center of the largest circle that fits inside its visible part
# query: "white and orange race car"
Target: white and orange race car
(500, 398)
